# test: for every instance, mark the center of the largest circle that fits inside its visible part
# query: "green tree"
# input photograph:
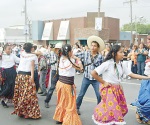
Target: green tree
(141, 28)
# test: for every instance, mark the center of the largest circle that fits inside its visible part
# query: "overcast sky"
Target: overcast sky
(10, 10)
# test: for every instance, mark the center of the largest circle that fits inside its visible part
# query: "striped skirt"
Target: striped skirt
(25, 99)
(112, 107)
(66, 105)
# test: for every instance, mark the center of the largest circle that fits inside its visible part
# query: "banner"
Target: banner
(48, 31)
(64, 31)
(98, 23)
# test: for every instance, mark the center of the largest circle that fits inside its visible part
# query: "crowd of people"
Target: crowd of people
(25, 68)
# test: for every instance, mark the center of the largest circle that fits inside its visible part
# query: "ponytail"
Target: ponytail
(112, 54)
(65, 51)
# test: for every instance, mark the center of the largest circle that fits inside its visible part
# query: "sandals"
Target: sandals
(148, 122)
(138, 118)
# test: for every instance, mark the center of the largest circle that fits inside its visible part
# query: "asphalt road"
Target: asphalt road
(131, 88)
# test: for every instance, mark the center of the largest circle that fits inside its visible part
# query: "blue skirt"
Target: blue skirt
(143, 102)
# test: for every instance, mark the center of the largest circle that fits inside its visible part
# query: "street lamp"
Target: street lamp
(25, 13)
(136, 22)
(25, 20)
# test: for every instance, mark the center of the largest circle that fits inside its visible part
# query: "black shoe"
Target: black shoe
(40, 92)
(46, 105)
(44, 94)
(78, 111)
(57, 122)
(4, 104)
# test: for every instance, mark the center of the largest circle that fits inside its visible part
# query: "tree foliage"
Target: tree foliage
(141, 28)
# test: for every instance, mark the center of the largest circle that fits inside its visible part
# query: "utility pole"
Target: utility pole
(131, 19)
(99, 7)
(98, 20)
(25, 13)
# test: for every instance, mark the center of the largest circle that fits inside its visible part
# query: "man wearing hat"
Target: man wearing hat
(91, 59)
(53, 57)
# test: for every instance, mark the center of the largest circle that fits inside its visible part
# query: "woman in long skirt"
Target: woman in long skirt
(112, 108)
(25, 98)
(66, 112)
(143, 101)
(8, 74)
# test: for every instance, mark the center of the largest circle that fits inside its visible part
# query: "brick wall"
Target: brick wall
(91, 18)
(113, 25)
(79, 22)
(86, 32)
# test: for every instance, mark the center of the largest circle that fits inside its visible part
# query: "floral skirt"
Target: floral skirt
(25, 99)
(66, 105)
(112, 107)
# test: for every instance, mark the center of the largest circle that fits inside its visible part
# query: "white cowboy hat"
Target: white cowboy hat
(43, 51)
(98, 40)
(58, 45)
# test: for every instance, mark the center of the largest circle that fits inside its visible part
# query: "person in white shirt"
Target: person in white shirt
(53, 57)
(8, 73)
(36, 77)
(25, 99)
(143, 102)
(66, 112)
(112, 108)
(75, 51)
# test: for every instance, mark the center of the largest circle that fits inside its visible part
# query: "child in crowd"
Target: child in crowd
(113, 107)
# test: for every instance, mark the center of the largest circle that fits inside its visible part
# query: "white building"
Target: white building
(13, 34)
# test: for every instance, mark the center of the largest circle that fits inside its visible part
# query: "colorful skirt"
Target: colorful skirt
(66, 105)
(112, 107)
(25, 99)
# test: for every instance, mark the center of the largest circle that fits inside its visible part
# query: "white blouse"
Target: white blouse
(9, 61)
(147, 69)
(25, 62)
(65, 67)
(110, 74)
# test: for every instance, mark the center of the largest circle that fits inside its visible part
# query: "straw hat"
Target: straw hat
(98, 40)
(43, 51)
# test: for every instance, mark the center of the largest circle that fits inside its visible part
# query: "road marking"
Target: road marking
(131, 83)
(87, 99)
(95, 101)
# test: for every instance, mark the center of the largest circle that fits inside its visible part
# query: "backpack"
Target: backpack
(43, 63)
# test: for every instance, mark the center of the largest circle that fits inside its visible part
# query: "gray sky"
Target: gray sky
(10, 10)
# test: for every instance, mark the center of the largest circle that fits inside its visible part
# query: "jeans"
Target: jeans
(85, 84)
(134, 67)
(54, 79)
(141, 67)
(42, 81)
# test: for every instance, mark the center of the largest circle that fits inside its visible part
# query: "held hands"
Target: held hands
(148, 76)
(106, 84)
(81, 66)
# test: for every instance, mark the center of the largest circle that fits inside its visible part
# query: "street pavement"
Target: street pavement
(131, 88)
